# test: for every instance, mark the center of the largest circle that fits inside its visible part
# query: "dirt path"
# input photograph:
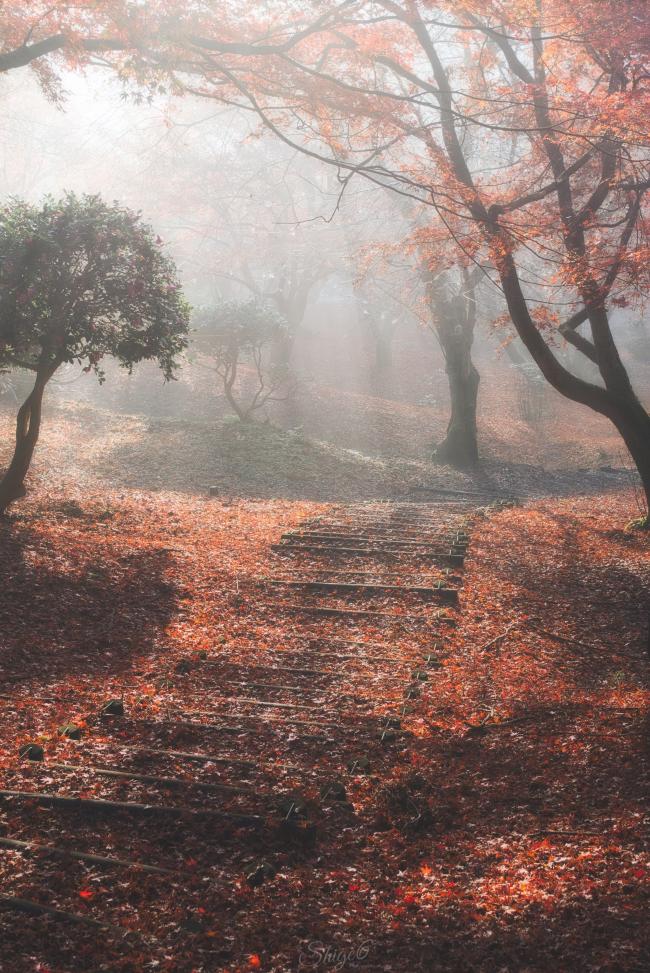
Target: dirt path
(261, 759)
(377, 766)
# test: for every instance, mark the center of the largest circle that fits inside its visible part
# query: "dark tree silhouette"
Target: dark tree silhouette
(80, 280)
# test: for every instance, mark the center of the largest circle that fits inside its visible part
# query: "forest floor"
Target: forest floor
(499, 827)
(82, 444)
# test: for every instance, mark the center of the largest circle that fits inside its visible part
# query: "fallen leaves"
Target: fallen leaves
(533, 825)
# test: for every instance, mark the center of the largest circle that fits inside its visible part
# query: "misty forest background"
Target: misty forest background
(365, 397)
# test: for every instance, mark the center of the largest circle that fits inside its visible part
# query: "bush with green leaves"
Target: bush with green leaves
(242, 333)
(80, 280)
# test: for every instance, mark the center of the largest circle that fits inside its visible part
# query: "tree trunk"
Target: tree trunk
(634, 426)
(380, 355)
(282, 349)
(617, 400)
(28, 425)
(454, 322)
(242, 414)
(460, 445)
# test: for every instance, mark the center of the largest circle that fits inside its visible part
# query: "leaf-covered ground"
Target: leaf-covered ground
(499, 828)
(84, 444)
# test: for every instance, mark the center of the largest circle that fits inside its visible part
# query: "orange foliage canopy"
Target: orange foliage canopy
(529, 118)
(479, 110)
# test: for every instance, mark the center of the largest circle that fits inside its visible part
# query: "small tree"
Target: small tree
(237, 334)
(80, 280)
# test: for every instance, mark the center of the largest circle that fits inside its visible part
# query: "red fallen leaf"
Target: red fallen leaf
(254, 961)
(87, 893)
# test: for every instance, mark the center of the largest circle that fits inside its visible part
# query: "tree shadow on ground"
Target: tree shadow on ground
(580, 934)
(508, 894)
(62, 619)
(590, 591)
(525, 479)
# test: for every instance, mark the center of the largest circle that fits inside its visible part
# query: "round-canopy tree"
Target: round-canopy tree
(80, 280)
(241, 333)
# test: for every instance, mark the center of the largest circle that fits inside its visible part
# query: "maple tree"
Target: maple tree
(451, 296)
(412, 270)
(38, 34)
(552, 208)
(80, 280)
(558, 223)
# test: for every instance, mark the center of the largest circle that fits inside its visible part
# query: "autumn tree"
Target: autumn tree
(554, 207)
(238, 337)
(80, 281)
(560, 223)
(443, 293)
(451, 283)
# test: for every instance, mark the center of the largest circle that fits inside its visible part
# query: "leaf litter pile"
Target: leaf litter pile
(308, 736)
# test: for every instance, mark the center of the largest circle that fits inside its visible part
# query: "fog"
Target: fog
(247, 218)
